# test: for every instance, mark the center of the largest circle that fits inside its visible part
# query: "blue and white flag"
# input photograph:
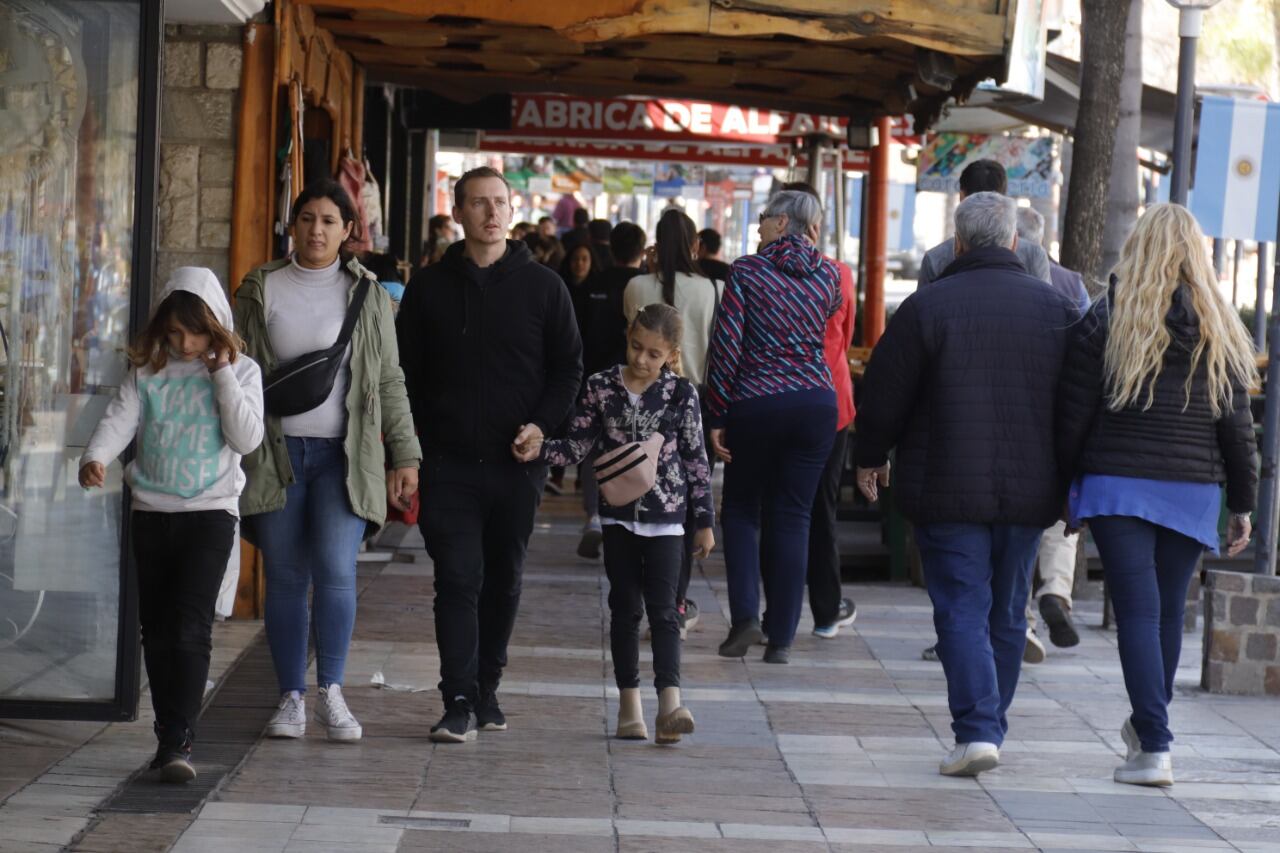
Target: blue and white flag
(1237, 185)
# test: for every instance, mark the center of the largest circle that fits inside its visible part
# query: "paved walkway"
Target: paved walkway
(837, 751)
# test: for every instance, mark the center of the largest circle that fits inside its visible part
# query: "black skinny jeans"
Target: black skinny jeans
(181, 558)
(643, 572)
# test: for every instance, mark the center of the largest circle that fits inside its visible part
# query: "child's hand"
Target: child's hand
(216, 359)
(704, 542)
(93, 474)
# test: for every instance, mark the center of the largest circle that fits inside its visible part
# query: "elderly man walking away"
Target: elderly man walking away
(962, 384)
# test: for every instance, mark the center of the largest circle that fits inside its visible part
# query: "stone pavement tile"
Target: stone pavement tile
(349, 817)
(338, 833)
(149, 833)
(1108, 841)
(213, 844)
(252, 811)
(14, 846)
(235, 831)
(486, 842)
(723, 845)
(666, 829)
(764, 832)
(42, 829)
(340, 847)
(562, 826)
(983, 840)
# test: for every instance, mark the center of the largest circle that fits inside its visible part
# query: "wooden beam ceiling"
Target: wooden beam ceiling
(834, 56)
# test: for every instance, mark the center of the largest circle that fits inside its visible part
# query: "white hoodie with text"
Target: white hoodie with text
(192, 426)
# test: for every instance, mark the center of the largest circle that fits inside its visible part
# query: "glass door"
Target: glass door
(78, 136)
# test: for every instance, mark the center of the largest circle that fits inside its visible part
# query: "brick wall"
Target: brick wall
(1241, 634)
(199, 104)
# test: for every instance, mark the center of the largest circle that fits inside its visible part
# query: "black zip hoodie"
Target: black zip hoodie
(485, 351)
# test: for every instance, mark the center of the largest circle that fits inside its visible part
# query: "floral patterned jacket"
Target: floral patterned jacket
(605, 420)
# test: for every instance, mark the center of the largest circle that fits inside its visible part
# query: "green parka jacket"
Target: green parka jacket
(377, 404)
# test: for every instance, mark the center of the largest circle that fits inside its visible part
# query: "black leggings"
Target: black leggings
(643, 571)
(181, 558)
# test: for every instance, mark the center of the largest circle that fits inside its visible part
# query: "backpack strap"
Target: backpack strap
(353, 312)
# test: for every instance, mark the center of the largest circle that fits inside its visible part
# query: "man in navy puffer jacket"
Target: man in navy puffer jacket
(962, 385)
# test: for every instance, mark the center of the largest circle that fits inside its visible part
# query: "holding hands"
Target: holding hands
(528, 443)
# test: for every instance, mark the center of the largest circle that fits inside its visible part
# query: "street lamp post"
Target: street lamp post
(1190, 15)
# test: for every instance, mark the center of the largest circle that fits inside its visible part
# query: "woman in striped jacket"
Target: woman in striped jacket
(773, 413)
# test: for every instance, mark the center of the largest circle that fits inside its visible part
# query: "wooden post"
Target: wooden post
(252, 210)
(877, 228)
(253, 201)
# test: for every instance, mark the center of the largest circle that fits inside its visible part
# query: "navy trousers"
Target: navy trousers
(978, 576)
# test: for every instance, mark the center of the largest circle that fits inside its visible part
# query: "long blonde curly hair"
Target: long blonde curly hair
(1166, 251)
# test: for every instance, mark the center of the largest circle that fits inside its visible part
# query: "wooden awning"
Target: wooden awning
(833, 57)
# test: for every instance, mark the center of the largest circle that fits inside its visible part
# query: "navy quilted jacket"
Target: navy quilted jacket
(963, 385)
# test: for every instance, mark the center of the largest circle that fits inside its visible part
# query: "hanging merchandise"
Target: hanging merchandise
(351, 176)
(371, 203)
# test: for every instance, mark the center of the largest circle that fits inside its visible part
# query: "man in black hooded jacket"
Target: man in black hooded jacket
(492, 360)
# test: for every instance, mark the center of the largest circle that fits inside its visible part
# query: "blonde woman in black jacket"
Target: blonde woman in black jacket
(1153, 418)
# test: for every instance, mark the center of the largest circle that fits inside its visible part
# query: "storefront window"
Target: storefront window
(69, 101)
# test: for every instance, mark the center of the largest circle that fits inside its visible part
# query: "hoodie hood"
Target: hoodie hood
(793, 255)
(203, 283)
(516, 256)
(1182, 319)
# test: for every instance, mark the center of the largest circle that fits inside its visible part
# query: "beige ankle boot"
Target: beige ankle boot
(673, 720)
(630, 715)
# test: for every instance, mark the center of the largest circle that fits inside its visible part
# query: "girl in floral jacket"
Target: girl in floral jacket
(643, 541)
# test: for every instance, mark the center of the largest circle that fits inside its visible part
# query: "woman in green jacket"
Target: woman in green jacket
(320, 480)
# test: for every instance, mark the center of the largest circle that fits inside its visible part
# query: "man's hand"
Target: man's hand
(401, 484)
(870, 479)
(718, 446)
(93, 474)
(528, 443)
(704, 541)
(1239, 528)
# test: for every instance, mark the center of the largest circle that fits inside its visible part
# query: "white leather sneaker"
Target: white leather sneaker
(290, 719)
(1130, 737)
(1147, 768)
(970, 759)
(332, 713)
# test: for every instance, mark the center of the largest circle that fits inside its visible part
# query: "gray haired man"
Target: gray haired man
(962, 385)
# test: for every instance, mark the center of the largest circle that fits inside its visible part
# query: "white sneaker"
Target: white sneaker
(1147, 768)
(290, 719)
(1033, 651)
(332, 713)
(970, 759)
(1130, 737)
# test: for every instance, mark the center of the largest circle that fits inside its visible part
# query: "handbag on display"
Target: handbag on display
(303, 383)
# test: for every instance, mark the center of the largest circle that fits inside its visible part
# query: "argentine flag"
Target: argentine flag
(902, 214)
(1237, 183)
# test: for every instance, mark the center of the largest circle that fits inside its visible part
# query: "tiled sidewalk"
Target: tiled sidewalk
(837, 751)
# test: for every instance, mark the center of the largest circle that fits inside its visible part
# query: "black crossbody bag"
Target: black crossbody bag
(302, 383)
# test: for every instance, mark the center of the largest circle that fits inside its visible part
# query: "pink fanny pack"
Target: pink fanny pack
(627, 473)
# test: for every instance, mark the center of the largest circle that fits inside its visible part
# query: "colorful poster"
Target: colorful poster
(628, 180)
(1028, 161)
(679, 180)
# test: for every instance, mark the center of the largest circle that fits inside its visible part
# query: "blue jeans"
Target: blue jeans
(780, 445)
(1148, 568)
(978, 576)
(313, 540)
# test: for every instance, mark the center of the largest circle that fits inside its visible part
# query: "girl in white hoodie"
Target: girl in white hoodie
(194, 404)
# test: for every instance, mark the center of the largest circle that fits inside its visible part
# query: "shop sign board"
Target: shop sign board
(768, 156)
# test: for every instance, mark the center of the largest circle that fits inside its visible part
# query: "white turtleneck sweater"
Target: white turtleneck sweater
(305, 309)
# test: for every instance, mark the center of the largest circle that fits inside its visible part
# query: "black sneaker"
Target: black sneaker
(845, 614)
(489, 716)
(741, 637)
(173, 757)
(458, 725)
(930, 654)
(777, 654)
(1062, 633)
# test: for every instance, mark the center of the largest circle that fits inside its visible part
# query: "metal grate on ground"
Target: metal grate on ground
(231, 724)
